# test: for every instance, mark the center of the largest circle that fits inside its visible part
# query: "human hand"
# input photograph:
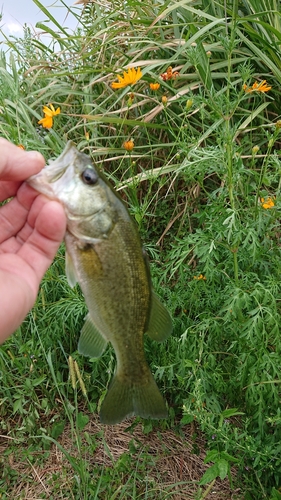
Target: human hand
(31, 230)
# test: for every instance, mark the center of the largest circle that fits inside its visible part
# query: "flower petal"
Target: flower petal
(47, 111)
(46, 122)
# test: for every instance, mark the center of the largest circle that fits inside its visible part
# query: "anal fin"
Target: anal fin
(160, 324)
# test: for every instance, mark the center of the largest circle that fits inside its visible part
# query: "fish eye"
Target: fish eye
(89, 176)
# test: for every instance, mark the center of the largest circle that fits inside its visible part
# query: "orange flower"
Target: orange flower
(47, 121)
(154, 86)
(164, 99)
(267, 203)
(200, 277)
(129, 78)
(129, 145)
(20, 146)
(257, 87)
(169, 74)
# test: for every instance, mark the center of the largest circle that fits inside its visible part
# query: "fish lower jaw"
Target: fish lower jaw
(45, 189)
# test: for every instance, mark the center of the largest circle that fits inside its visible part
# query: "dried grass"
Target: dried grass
(174, 468)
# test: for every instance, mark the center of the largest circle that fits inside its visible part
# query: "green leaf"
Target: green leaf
(17, 406)
(212, 456)
(223, 467)
(210, 475)
(38, 381)
(275, 495)
(82, 421)
(231, 412)
(187, 419)
(203, 67)
(49, 15)
(57, 429)
(263, 57)
(228, 457)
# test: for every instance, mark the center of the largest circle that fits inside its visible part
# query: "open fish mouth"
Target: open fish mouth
(54, 171)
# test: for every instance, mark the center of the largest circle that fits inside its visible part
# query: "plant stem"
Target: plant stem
(229, 138)
(207, 491)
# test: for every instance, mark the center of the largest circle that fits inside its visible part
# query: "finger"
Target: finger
(21, 218)
(21, 273)
(16, 164)
(40, 248)
(13, 215)
(8, 189)
(16, 297)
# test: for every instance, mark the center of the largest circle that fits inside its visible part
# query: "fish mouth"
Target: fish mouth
(47, 180)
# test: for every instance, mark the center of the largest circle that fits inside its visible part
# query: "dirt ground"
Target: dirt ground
(177, 463)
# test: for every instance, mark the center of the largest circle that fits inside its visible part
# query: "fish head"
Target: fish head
(89, 202)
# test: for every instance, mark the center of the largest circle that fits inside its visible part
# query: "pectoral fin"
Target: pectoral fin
(160, 324)
(70, 270)
(91, 342)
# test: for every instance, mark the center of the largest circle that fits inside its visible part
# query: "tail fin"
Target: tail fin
(125, 398)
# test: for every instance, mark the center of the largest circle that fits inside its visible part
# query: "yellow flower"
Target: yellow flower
(49, 112)
(129, 78)
(267, 203)
(129, 145)
(164, 99)
(154, 86)
(200, 277)
(257, 87)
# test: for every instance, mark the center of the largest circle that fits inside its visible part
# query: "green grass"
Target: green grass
(194, 185)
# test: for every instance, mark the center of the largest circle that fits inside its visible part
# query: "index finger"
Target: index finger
(16, 164)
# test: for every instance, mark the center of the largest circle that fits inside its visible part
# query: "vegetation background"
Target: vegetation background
(202, 180)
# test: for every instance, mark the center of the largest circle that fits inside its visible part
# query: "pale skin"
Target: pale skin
(31, 230)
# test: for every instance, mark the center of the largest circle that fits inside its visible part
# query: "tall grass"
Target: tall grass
(205, 164)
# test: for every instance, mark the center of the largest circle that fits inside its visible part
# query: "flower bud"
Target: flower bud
(154, 86)
(270, 143)
(128, 145)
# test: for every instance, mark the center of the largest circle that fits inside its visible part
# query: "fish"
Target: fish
(104, 254)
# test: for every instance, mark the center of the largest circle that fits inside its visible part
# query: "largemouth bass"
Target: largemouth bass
(104, 255)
